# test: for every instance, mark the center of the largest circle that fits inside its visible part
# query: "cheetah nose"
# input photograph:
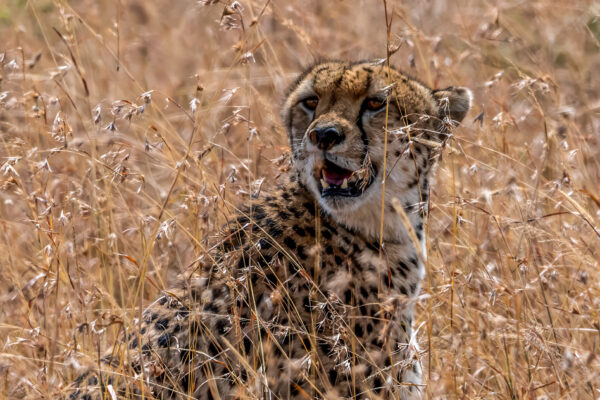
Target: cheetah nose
(325, 138)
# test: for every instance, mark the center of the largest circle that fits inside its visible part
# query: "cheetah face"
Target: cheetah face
(336, 115)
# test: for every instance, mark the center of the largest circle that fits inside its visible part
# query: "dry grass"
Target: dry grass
(127, 127)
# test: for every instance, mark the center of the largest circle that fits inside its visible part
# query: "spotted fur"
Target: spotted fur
(299, 300)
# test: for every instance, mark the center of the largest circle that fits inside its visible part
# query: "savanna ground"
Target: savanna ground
(128, 128)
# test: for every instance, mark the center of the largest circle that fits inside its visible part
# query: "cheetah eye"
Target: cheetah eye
(310, 103)
(374, 103)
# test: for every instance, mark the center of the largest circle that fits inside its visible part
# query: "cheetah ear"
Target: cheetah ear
(453, 102)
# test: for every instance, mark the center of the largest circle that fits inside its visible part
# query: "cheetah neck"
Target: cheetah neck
(370, 222)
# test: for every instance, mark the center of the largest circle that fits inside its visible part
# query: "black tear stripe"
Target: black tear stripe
(359, 121)
(363, 133)
(291, 90)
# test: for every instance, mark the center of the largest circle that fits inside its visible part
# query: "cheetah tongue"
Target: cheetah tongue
(335, 175)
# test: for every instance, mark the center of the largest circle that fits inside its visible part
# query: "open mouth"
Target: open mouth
(334, 180)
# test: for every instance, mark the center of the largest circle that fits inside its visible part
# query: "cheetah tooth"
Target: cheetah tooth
(345, 184)
(324, 184)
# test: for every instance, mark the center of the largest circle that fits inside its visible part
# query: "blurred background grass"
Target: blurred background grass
(127, 127)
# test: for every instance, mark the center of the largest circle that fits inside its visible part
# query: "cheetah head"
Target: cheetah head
(336, 116)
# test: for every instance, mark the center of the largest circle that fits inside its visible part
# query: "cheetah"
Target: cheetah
(310, 290)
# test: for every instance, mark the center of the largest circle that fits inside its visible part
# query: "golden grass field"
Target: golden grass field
(128, 128)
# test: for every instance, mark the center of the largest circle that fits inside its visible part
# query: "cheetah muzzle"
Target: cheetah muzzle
(334, 180)
(297, 298)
